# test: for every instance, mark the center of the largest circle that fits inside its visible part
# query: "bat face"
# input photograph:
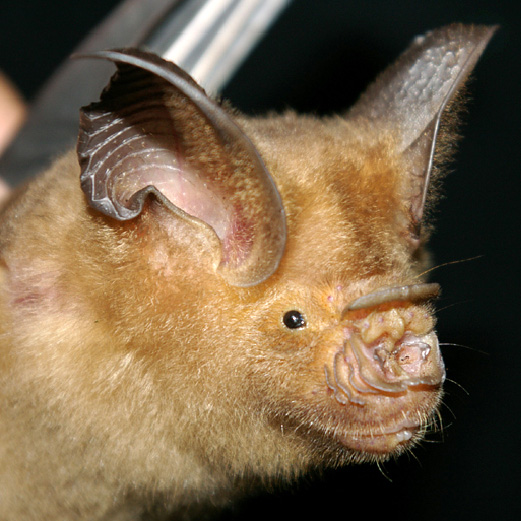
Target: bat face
(228, 296)
(366, 379)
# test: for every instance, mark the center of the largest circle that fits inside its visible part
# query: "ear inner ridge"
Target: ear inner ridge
(155, 132)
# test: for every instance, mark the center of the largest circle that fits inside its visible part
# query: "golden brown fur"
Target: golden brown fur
(132, 374)
(109, 362)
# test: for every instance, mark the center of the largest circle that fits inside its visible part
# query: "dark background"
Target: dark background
(318, 58)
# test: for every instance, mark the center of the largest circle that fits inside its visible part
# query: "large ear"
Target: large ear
(410, 96)
(156, 132)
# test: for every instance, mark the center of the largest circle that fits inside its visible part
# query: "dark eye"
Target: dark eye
(294, 319)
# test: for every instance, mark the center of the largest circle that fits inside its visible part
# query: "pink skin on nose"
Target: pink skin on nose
(383, 353)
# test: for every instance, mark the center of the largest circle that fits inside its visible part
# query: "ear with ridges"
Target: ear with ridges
(408, 100)
(155, 131)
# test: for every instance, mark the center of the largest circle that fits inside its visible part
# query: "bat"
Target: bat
(195, 300)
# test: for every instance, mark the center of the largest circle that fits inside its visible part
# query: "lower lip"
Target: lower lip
(381, 443)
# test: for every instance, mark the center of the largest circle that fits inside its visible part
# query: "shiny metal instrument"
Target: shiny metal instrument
(208, 38)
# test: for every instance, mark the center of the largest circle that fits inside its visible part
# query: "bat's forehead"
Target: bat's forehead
(331, 166)
(341, 190)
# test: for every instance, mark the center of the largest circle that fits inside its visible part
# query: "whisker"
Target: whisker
(449, 263)
(438, 426)
(448, 426)
(465, 347)
(410, 453)
(458, 385)
(432, 442)
(454, 304)
(380, 468)
(451, 412)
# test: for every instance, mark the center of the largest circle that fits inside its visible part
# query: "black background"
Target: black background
(318, 58)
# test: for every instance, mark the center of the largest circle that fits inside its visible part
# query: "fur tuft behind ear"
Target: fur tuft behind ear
(410, 98)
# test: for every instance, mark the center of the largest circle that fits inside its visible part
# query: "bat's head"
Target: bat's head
(271, 284)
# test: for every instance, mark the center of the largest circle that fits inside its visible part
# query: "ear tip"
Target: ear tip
(142, 59)
(110, 54)
(459, 35)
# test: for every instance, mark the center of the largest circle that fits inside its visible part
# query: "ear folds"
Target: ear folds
(410, 96)
(156, 132)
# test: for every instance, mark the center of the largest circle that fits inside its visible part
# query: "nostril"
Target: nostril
(411, 356)
(391, 366)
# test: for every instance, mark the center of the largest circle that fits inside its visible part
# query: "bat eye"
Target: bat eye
(294, 319)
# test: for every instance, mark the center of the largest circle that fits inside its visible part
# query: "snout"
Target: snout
(386, 379)
(385, 354)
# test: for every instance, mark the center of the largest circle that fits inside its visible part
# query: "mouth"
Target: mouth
(383, 443)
